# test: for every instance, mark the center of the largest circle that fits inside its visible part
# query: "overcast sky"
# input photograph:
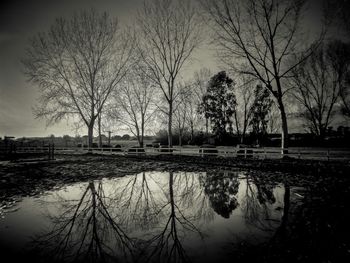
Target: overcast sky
(19, 20)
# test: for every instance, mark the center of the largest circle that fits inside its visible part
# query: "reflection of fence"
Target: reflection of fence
(256, 153)
(13, 152)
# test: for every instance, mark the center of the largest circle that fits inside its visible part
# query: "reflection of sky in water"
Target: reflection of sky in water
(153, 214)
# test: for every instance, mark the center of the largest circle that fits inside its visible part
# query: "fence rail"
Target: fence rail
(257, 153)
(14, 152)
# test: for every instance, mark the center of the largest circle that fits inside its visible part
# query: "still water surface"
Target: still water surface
(146, 217)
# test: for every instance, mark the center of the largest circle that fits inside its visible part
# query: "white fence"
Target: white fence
(256, 153)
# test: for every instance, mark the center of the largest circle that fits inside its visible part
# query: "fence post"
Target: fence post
(328, 153)
(51, 151)
(265, 156)
(299, 154)
(12, 151)
(245, 152)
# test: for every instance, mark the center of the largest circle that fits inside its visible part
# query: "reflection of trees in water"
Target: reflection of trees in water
(222, 188)
(151, 217)
(265, 193)
(191, 197)
(98, 226)
(139, 199)
(282, 229)
(166, 244)
(86, 231)
(259, 201)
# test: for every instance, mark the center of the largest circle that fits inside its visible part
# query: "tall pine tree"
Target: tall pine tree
(219, 104)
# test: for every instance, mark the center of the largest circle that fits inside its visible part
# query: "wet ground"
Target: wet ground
(101, 209)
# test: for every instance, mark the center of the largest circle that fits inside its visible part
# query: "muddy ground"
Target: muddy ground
(316, 232)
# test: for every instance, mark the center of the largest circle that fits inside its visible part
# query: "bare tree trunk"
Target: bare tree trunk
(180, 137)
(109, 138)
(284, 134)
(142, 131)
(138, 136)
(192, 132)
(243, 133)
(99, 131)
(90, 134)
(170, 124)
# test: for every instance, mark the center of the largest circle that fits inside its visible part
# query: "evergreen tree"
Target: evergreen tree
(219, 104)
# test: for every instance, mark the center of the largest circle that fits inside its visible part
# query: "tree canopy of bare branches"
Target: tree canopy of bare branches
(338, 54)
(244, 93)
(135, 102)
(170, 32)
(260, 39)
(201, 81)
(77, 64)
(318, 89)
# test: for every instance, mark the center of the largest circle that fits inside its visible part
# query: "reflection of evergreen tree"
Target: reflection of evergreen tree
(258, 203)
(264, 190)
(221, 189)
(265, 193)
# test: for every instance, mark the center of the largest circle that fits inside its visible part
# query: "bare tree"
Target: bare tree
(338, 54)
(135, 102)
(274, 124)
(345, 95)
(263, 37)
(317, 90)
(181, 110)
(338, 16)
(170, 33)
(245, 97)
(193, 117)
(201, 80)
(77, 64)
(100, 125)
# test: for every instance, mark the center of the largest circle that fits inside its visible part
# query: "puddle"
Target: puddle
(147, 217)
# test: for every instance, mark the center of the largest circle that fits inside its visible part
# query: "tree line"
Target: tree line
(93, 70)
